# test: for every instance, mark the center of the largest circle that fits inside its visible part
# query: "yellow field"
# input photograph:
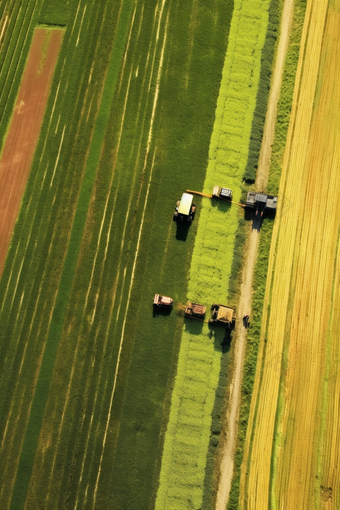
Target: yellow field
(291, 454)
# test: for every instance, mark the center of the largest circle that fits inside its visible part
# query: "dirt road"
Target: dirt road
(227, 462)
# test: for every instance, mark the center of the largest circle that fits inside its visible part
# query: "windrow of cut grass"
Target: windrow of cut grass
(260, 277)
(103, 427)
(35, 260)
(189, 428)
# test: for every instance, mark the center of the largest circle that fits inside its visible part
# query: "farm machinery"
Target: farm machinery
(185, 209)
(222, 315)
(162, 301)
(195, 311)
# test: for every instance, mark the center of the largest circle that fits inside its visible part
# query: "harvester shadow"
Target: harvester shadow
(222, 337)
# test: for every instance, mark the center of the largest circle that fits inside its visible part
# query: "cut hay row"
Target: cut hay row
(190, 428)
(285, 464)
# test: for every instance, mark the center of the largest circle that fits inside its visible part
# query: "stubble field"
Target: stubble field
(289, 461)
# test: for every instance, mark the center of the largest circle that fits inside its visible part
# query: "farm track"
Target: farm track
(288, 459)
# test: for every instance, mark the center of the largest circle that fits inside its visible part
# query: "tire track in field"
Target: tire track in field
(3, 29)
(69, 388)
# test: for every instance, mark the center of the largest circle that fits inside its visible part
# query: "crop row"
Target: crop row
(263, 92)
(281, 128)
(211, 266)
(35, 259)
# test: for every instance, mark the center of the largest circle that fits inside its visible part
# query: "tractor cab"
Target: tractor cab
(224, 193)
(162, 301)
(185, 209)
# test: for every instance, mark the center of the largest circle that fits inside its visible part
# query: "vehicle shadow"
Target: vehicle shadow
(182, 229)
(158, 310)
(193, 326)
(222, 337)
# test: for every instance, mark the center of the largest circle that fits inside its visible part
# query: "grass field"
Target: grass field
(103, 402)
(292, 414)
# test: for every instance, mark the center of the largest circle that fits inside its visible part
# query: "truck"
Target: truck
(162, 301)
(195, 311)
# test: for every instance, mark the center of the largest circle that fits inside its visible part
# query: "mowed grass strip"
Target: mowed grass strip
(30, 279)
(71, 453)
(212, 261)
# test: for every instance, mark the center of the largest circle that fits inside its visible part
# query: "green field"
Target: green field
(149, 98)
(65, 316)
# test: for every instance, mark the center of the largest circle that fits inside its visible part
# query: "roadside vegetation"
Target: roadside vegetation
(260, 276)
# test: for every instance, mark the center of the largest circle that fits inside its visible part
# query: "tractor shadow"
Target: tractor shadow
(163, 311)
(182, 230)
(221, 204)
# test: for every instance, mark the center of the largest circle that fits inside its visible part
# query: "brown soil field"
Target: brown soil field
(292, 447)
(23, 133)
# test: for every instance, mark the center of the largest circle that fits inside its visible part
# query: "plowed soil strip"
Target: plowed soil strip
(22, 137)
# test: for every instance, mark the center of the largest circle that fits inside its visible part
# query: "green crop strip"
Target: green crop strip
(189, 427)
(46, 370)
(281, 129)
